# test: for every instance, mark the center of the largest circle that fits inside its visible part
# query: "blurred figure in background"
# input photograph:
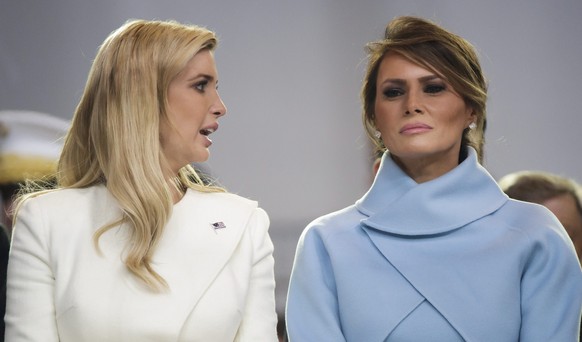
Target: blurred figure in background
(559, 194)
(29, 149)
(30, 144)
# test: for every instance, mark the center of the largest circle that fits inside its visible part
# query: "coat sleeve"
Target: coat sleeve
(312, 305)
(259, 320)
(30, 307)
(551, 289)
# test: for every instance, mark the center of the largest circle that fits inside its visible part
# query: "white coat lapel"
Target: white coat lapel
(201, 237)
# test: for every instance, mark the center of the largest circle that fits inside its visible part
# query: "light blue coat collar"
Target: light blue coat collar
(397, 204)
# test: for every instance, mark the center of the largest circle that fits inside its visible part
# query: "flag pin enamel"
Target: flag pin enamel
(218, 225)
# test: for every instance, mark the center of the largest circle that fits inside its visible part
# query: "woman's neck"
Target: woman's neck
(422, 170)
(177, 189)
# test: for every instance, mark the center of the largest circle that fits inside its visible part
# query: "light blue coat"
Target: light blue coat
(452, 259)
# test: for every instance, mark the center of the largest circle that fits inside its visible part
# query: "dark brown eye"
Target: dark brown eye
(434, 88)
(392, 92)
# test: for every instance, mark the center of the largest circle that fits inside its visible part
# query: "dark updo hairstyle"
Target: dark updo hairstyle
(434, 48)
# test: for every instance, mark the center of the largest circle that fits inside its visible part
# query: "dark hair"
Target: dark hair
(436, 49)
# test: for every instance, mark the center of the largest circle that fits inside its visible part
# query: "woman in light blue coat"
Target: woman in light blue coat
(434, 251)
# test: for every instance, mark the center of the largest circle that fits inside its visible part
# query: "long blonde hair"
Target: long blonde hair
(114, 138)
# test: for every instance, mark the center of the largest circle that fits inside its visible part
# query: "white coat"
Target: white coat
(221, 280)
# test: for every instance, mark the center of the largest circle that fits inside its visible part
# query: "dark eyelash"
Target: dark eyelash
(434, 88)
(392, 92)
(201, 86)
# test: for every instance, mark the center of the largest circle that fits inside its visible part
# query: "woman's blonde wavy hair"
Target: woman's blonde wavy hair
(114, 138)
(436, 49)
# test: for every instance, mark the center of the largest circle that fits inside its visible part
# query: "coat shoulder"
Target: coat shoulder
(225, 200)
(533, 219)
(340, 222)
(231, 199)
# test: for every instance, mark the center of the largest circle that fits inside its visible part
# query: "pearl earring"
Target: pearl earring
(377, 134)
(472, 126)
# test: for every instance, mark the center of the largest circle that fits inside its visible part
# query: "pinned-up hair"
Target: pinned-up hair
(430, 46)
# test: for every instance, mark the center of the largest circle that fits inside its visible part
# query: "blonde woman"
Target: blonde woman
(132, 245)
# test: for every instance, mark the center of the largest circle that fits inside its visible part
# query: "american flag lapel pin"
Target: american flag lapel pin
(218, 225)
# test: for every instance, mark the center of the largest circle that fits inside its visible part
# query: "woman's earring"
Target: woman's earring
(472, 126)
(377, 134)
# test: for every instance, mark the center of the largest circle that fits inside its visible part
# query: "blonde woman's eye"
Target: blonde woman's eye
(201, 86)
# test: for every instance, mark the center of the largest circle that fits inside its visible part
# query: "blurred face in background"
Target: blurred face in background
(565, 209)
